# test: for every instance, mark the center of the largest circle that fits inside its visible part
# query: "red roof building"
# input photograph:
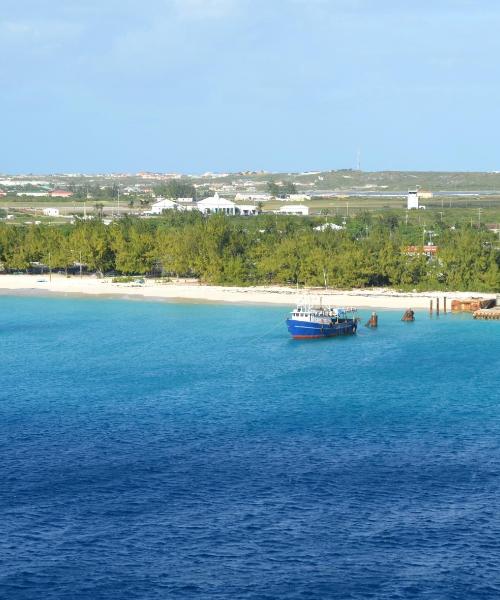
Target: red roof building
(60, 194)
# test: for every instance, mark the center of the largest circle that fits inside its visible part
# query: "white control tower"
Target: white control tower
(412, 199)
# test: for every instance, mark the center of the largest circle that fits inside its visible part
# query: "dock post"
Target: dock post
(409, 315)
(430, 308)
(444, 304)
(437, 307)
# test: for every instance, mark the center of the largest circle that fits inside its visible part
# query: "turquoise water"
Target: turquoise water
(153, 450)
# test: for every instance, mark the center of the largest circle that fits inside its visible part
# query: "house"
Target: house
(294, 209)
(60, 194)
(215, 204)
(51, 212)
(163, 204)
(246, 209)
(298, 198)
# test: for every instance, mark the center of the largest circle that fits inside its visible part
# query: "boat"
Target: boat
(312, 322)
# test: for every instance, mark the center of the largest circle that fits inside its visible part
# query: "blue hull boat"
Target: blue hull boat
(313, 322)
(303, 330)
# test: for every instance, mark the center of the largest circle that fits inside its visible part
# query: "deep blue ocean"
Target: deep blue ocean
(154, 450)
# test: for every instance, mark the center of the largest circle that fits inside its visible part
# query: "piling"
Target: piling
(373, 320)
(430, 308)
(409, 315)
(437, 307)
(444, 305)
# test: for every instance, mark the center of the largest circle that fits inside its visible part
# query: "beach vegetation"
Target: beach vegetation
(369, 251)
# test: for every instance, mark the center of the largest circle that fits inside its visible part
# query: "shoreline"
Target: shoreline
(35, 285)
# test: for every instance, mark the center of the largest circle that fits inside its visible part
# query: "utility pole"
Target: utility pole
(50, 269)
(441, 213)
(80, 264)
(479, 217)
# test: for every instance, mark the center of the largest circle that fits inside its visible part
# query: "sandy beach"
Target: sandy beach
(154, 289)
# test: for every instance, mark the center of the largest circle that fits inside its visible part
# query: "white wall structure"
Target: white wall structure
(412, 199)
(294, 209)
(215, 204)
(163, 204)
(51, 212)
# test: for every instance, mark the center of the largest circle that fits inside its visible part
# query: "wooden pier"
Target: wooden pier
(487, 313)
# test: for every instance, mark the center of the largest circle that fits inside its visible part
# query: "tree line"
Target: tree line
(268, 249)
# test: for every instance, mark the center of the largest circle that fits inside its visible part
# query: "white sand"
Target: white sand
(375, 298)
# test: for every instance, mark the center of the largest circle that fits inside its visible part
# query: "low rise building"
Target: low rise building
(252, 197)
(246, 209)
(215, 204)
(163, 204)
(60, 194)
(33, 194)
(294, 209)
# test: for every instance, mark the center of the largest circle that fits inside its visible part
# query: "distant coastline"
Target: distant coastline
(150, 290)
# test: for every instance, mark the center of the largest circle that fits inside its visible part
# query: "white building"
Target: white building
(252, 197)
(60, 194)
(294, 209)
(51, 212)
(298, 197)
(215, 204)
(246, 209)
(163, 204)
(412, 199)
(33, 194)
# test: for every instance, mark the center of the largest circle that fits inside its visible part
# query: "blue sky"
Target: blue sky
(227, 85)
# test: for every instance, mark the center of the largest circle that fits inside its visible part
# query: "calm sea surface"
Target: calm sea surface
(152, 450)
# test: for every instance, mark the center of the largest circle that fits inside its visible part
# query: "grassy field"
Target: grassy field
(450, 209)
(464, 208)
